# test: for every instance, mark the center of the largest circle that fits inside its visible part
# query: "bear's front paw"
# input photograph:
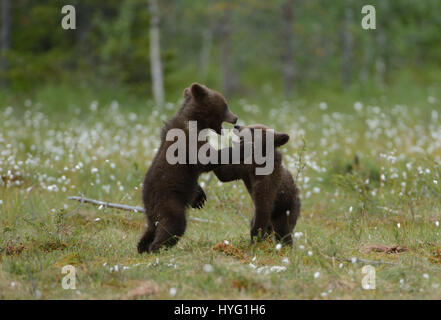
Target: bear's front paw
(259, 233)
(199, 200)
(143, 246)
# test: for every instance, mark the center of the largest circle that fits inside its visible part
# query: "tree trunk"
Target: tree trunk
(83, 28)
(381, 46)
(380, 63)
(207, 40)
(5, 41)
(228, 75)
(368, 57)
(288, 63)
(348, 47)
(155, 54)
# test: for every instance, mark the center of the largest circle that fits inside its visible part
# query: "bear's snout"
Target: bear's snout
(230, 117)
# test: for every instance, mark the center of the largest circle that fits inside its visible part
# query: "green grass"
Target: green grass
(390, 196)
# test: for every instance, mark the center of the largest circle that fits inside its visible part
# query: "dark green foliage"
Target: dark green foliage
(111, 44)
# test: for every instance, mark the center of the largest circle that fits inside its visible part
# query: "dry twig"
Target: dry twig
(125, 207)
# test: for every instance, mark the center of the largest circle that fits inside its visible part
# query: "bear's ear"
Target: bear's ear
(187, 93)
(198, 91)
(280, 139)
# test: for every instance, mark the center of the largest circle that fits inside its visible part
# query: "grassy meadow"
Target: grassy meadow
(368, 168)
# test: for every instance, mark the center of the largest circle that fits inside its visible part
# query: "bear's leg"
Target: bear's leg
(263, 197)
(147, 238)
(282, 228)
(261, 224)
(269, 229)
(260, 229)
(171, 226)
(284, 222)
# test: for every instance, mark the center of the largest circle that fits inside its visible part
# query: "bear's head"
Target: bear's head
(208, 107)
(256, 134)
(259, 146)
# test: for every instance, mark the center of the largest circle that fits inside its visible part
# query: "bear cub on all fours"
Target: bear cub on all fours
(169, 189)
(275, 196)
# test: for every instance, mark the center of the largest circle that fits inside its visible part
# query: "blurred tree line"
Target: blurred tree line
(237, 46)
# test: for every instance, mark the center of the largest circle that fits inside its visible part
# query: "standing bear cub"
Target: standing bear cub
(169, 189)
(275, 195)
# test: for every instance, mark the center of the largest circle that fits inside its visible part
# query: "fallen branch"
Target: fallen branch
(104, 204)
(108, 204)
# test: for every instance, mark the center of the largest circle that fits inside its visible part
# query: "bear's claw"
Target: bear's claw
(199, 200)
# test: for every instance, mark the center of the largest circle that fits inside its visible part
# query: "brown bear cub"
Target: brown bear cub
(275, 196)
(169, 189)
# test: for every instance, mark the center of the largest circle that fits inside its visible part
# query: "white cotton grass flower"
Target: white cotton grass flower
(358, 106)
(310, 253)
(208, 268)
(436, 222)
(173, 291)
(268, 269)
(317, 274)
(106, 188)
(398, 225)
(277, 268)
(434, 115)
(261, 269)
(431, 99)
(285, 260)
(298, 235)
(52, 188)
(278, 247)
(226, 242)
(94, 106)
(426, 276)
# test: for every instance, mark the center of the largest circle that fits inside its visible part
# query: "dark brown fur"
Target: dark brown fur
(169, 189)
(275, 196)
